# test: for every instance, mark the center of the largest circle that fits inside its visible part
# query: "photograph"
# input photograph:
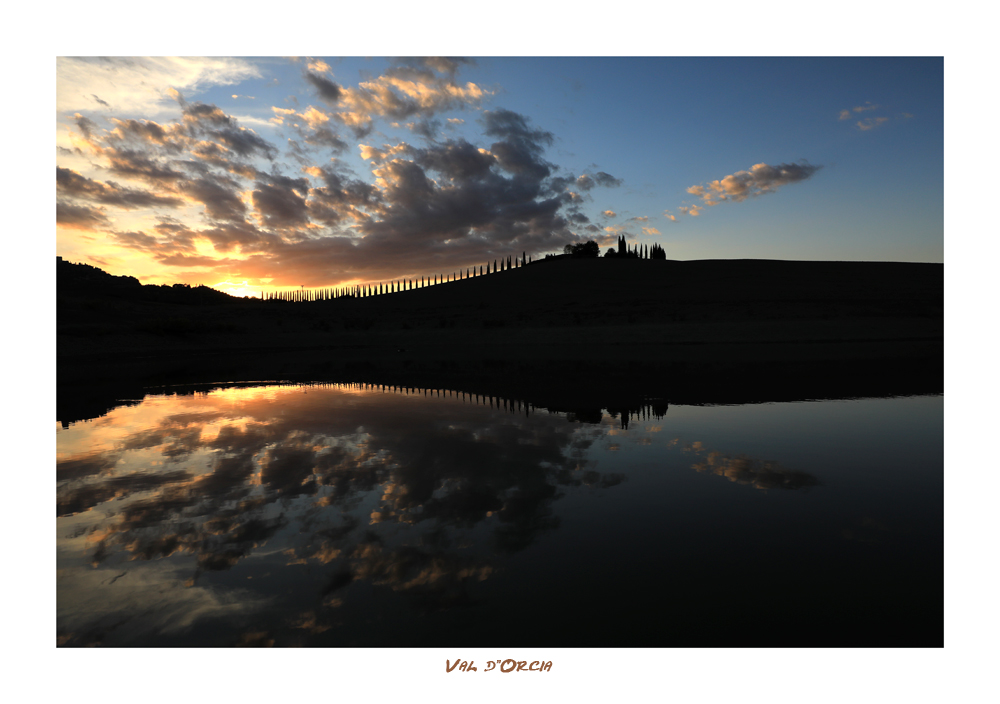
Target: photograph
(500, 354)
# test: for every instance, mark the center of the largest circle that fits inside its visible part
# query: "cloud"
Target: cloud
(520, 147)
(650, 231)
(281, 203)
(218, 194)
(609, 214)
(420, 88)
(80, 217)
(71, 184)
(758, 180)
(140, 85)
(313, 128)
(171, 239)
(329, 91)
(138, 164)
(201, 120)
(451, 204)
(147, 132)
(318, 66)
(586, 182)
(848, 114)
(871, 123)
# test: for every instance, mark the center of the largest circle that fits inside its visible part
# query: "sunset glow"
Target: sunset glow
(260, 175)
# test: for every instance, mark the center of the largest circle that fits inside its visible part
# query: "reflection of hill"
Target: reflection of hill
(584, 389)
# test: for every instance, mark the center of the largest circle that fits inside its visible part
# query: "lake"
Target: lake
(326, 514)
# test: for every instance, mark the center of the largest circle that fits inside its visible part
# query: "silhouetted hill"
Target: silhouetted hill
(558, 309)
(84, 280)
(601, 291)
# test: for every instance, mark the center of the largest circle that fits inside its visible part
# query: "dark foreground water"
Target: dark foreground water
(340, 515)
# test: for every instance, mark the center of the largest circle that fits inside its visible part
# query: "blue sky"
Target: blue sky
(225, 171)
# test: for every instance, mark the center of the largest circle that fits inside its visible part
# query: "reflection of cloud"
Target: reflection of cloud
(746, 470)
(148, 601)
(235, 475)
(80, 466)
(433, 578)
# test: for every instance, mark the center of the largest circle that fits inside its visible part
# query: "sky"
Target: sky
(254, 174)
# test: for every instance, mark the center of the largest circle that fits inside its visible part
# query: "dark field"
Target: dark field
(585, 309)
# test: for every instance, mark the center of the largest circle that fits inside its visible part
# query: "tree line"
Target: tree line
(397, 285)
(579, 250)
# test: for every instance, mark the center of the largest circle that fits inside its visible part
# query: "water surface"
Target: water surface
(349, 515)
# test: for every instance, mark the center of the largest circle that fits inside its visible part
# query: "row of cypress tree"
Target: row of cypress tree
(367, 290)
